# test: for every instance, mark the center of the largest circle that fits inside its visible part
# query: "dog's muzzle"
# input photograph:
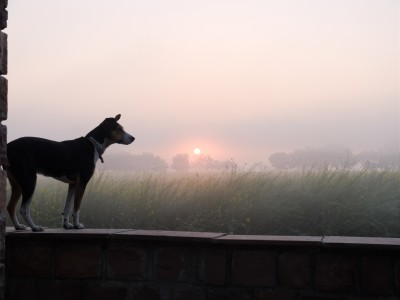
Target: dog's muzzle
(126, 139)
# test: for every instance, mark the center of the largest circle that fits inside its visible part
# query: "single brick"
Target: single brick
(78, 262)
(397, 275)
(3, 53)
(3, 18)
(275, 295)
(228, 294)
(190, 266)
(3, 144)
(192, 294)
(126, 263)
(167, 264)
(50, 290)
(2, 281)
(146, 293)
(212, 267)
(294, 270)
(377, 275)
(102, 292)
(3, 3)
(2, 236)
(254, 268)
(320, 297)
(21, 290)
(3, 184)
(29, 261)
(3, 98)
(336, 273)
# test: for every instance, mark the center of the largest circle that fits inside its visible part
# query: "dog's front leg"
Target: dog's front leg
(79, 191)
(68, 206)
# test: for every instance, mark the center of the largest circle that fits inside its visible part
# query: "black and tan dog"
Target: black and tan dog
(72, 162)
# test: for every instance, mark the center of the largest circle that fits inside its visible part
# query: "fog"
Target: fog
(240, 79)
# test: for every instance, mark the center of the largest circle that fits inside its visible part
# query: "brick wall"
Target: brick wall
(152, 265)
(3, 135)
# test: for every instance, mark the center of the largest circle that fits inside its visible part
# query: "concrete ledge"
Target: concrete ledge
(160, 235)
(212, 237)
(62, 233)
(270, 240)
(361, 242)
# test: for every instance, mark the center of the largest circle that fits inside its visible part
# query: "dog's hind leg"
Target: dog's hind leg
(16, 193)
(68, 206)
(28, 189)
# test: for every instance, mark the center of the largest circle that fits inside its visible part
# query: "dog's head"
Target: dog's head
(110, 132)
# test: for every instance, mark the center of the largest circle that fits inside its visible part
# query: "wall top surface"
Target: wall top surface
(211, 237)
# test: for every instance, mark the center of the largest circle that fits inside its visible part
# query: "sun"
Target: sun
(197, 151)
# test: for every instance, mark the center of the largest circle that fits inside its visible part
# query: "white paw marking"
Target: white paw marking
(68, 226)
(37, 229)
(79, 226)
(20, 227)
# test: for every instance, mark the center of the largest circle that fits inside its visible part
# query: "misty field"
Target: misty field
(344, 202)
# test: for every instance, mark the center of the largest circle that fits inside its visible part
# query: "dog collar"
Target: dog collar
(97, 147)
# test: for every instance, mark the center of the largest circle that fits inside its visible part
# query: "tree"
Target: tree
(203, 162)
(382, 159)
(207, 163)
(134, 162)
(148, 161)
(317, 158)
(224, 165)
(280, 160)
(328, 156)
(180, 162)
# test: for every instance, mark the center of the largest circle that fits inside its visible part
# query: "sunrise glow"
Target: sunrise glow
(197, 151)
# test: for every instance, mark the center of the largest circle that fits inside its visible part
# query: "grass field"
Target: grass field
(353, 203)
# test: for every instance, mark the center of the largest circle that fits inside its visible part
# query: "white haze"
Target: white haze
(239, 79)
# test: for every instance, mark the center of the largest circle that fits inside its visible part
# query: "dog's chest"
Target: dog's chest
(96, 157)
(70, 179)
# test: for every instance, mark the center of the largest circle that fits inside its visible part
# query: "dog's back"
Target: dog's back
(50, 158)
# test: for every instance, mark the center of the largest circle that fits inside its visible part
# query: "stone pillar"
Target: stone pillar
(3, 137)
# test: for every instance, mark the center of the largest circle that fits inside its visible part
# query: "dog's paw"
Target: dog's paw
(37, 229)
(79, 226)
(68, 226)
(21, 227)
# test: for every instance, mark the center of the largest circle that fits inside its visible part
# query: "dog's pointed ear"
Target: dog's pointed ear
(117, 117)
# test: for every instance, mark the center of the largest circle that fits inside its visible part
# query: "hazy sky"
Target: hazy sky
(237, 78)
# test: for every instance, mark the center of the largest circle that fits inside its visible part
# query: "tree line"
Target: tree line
(328, 157)
(316, 158)
(181, 162)
(151, 162)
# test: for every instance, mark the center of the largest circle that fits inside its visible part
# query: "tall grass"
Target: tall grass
(342, 202)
